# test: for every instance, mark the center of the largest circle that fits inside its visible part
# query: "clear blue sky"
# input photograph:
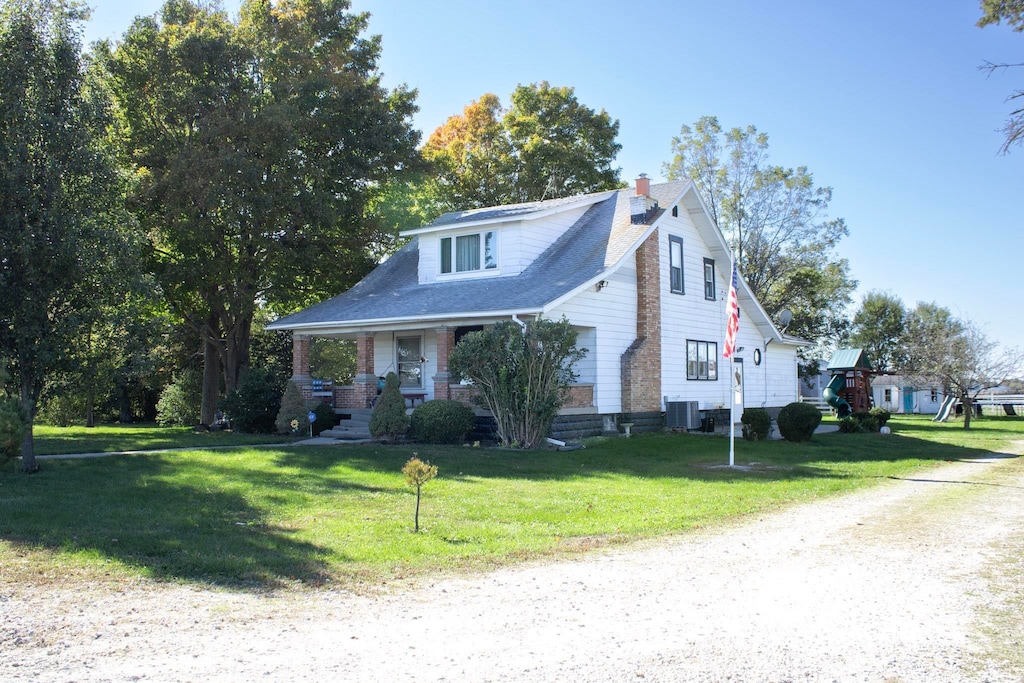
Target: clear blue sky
(881, 100)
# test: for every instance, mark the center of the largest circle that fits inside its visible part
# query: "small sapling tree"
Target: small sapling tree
(417, 473)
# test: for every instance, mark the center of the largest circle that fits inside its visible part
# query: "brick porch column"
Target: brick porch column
(300, 358)
(442, 378)
(365, 381)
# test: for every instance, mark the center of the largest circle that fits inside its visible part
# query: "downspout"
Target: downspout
(515, 319)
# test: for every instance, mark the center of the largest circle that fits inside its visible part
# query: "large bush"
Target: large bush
(254, 405)
(520, 374)
(13, 427)
(442, 421)
(756, 424)
(61, 410)
(181, 400)
(797, 421)
(389, 420)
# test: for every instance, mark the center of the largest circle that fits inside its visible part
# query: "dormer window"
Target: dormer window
(467, 253)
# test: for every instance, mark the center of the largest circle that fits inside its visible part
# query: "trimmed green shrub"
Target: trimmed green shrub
(756, 424)
(326, 418)
(880, 414)
(850, 425)
(389, 420)
(797, 421)
(181, 401)
(254, 405)
(442, 421)
(868, 421)
(12, 427)
(293, 407)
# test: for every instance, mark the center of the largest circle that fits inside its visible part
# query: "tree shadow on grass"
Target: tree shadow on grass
(660, 455)
(126, 509)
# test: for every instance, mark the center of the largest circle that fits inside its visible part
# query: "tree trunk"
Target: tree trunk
(124, 403)
(90, 402)
(236, 352)
(90, 383)
(968, 409)
(211, 382)
(28, 405)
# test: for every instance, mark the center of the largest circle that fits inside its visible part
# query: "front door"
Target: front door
(410, 367)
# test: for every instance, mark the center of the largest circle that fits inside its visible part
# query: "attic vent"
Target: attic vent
(641, 209)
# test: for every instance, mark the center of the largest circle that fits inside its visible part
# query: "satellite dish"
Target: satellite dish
(785, 317)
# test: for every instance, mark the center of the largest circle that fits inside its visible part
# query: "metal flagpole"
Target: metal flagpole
(731, 332)
(732, 412)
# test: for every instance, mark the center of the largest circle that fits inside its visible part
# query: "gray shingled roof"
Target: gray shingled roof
(595, 243)
(508, 211)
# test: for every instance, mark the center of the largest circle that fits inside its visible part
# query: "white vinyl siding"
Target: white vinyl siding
(611, 313)
(515, 245)
(772, 383)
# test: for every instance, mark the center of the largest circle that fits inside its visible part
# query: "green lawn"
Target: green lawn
(283, 515)
(108, 438)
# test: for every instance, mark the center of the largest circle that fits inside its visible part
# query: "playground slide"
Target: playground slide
(832, 397)
(945, 410)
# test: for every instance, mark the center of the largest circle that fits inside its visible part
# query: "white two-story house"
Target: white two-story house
(643, 275)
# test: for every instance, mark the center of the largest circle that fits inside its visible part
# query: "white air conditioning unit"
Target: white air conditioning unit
(682, 415)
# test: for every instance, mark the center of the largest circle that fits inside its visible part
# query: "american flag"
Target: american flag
(732, 310)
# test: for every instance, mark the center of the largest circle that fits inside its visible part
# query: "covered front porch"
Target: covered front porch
(419, 357)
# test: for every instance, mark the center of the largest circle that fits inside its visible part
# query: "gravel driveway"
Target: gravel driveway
(914, 580)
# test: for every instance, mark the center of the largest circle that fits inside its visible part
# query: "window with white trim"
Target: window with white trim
(675, 264)
(709, 279)
(468, 253)
(701, 360)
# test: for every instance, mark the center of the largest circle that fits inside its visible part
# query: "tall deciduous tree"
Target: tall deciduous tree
(957, 355)
(57, 202)
(1012, 12)
(258, 145)
(776, 221)
(879, 327)
(545, 145)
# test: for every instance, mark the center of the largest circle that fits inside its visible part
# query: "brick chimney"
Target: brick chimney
(641, 206)
(643, 186)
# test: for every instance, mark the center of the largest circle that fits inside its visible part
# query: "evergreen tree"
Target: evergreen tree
(389, 420)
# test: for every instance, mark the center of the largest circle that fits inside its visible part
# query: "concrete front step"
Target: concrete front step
(354, 426)
(344, 431)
